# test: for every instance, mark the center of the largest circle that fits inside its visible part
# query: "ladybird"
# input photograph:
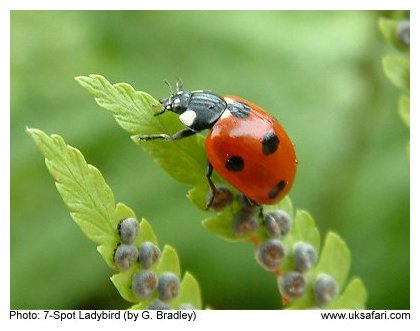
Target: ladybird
(245, 144)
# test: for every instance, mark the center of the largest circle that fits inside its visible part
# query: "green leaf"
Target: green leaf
(133, 110)
(107, 250)
(334, 259)
(184, 159)
(397, 69)
(189, 293)
(122, 282)
(128, 106)
(169, 261)
(92, 206)
(404, 109)
(82, 187)
(388, 28)
(222, 226)
(122, 212)
(304, 229)
(353, 297)
(146, 233)
(141, 305)
(198, 195)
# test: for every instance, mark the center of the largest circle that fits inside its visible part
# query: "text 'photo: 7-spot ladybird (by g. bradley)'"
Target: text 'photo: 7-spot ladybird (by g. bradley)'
(245, 144)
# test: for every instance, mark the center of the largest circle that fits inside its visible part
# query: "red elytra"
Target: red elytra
(253, 153)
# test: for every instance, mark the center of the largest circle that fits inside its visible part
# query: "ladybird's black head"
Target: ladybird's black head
(177, 102)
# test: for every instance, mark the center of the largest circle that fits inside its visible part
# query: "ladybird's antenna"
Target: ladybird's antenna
(179, 84)
(169, 85)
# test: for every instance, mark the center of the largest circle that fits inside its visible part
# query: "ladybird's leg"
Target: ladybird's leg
(183, 134)
(160, 112)
(213, 188)
(260, 212)
(179, 135)
(260, 209)
(255, 205)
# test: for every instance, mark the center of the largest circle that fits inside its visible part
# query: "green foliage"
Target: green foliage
(221, 223)
(318, 76)
(134, 111)
(388, 28)
(404, 109)
(83, 189)
(397, 69)
(304, 229)
(397, 66)
(334, 260)
(92, 206)
(334, 257)
(353, 296)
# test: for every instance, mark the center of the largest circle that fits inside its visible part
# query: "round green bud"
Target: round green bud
(325, 289)
(246, 204)
(158, 305)
(144, 283)
(277, 223)
(149, 253)
(304, 256)
(244, 222)
(220, 199)
(292, 285)
(125, 256)
(187, 306)
(270, 253)
(403, 32)
(168, 287)
(128, 229)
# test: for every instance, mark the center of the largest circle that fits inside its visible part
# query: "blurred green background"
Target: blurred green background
(319, 73)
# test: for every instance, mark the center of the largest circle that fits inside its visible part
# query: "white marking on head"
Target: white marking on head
(228, 100)
(176, 102)
(188, 117)
(226, 113)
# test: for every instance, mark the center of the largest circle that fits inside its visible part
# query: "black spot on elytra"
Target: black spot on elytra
(234, 163)
(270, 143)
(277, 189)
(239, 109)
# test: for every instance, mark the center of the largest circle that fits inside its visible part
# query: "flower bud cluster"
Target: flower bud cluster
(325, 289)
(220, 199)
(127, 254)
(270, 253)
(403, 32)
(145, 283)
(293, 284)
